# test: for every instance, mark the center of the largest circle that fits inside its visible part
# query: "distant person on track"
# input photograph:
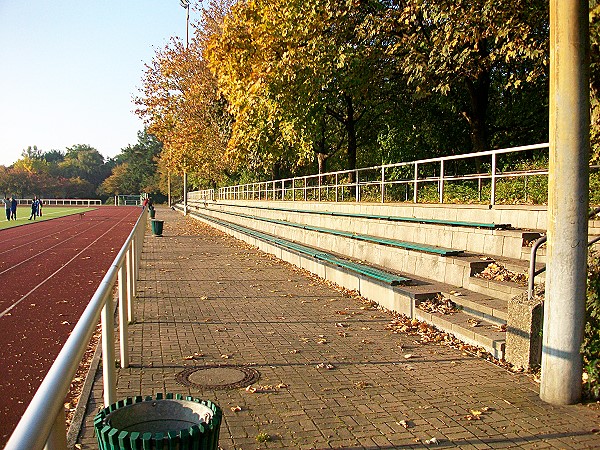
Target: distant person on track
(13, 209)
(7, 204)
(35, 208)
(40, 203)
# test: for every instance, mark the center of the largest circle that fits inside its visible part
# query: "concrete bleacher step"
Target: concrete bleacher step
(479, 320)
(494, 239)
(504, 290)
(490, 309)
(479, 333)
(434, 249)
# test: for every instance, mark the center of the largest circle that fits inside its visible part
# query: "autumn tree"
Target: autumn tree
(136, 168)
(84, 162)
(180, 105)
(300, 81)
(468, 49)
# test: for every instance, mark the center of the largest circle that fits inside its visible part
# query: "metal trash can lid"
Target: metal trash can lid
(156, 416)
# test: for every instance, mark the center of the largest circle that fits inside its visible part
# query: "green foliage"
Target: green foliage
(75, 173)
(85, 162)
(591, 340)
(594, 188)
(136, 170)
(263, 437)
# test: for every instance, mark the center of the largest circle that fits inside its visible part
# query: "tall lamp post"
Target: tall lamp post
(184, 4)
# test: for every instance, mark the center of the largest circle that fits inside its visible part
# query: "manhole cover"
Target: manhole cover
(218, 376)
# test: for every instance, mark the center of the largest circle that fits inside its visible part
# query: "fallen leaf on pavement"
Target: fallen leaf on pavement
(325, 366)
(405, 423)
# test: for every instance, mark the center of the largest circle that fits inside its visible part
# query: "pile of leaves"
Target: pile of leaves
(497, 272)
(438, 304)
(76, 388)
(429, 334)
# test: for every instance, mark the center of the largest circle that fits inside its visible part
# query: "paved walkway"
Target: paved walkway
(332, 373)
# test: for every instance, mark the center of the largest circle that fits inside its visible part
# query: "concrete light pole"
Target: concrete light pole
(568, 198)
(184, 4)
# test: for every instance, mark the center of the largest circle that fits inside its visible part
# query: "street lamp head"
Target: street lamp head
(184, 3)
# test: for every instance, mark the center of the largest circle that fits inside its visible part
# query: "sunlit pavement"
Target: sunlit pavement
(331, 372)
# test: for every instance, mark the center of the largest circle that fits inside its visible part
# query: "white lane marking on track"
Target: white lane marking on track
(46, 236)
(10, 308)
(46, 250)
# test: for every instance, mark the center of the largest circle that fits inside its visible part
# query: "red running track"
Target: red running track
(48, 273)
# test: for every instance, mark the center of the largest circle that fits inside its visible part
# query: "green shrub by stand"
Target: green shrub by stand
(590, 348)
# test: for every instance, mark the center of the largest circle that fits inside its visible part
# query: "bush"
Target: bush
(590, 348)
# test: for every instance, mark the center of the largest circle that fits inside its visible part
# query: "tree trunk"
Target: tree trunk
(351, 132)
(322, 162)
(477, 116)
(276, 170)
(349, 121)
(479, 92)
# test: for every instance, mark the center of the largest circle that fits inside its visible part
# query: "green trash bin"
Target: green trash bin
(157, 227)
(161, 423)
(152, 212)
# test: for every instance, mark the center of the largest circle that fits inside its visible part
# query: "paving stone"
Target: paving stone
(207, 293)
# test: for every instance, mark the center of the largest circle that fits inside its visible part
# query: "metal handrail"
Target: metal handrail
(43, 423)
(275, 189)
(538, 243)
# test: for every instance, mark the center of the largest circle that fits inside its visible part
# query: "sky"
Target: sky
(70, 69)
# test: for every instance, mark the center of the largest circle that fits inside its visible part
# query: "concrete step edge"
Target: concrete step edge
(484, 335)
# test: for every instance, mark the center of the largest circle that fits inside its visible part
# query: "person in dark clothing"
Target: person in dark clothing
(35, 205)
(13, 209)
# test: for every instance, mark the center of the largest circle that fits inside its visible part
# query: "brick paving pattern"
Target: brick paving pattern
(331, 374)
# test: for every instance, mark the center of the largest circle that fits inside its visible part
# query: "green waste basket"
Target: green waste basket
(152, 212)
(161, 423)
(157, 227)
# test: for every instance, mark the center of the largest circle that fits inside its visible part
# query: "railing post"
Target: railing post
(319, 186)
(129, 261)
(415, 183)
(493, 193)
(293, 189)
(123, 319)
(282, 190)
(108, 351)
(441, 182)
(185, 196)
(57, 440)
(336, 187)
(357, 193)
(382, 184)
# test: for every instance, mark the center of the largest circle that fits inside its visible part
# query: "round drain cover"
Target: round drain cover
(218, 376)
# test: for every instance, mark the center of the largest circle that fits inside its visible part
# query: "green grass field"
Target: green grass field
(48, 212)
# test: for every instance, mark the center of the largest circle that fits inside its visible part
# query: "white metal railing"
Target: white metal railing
(63, 201)
(351, 184)
(43, 423)
(201, 196)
